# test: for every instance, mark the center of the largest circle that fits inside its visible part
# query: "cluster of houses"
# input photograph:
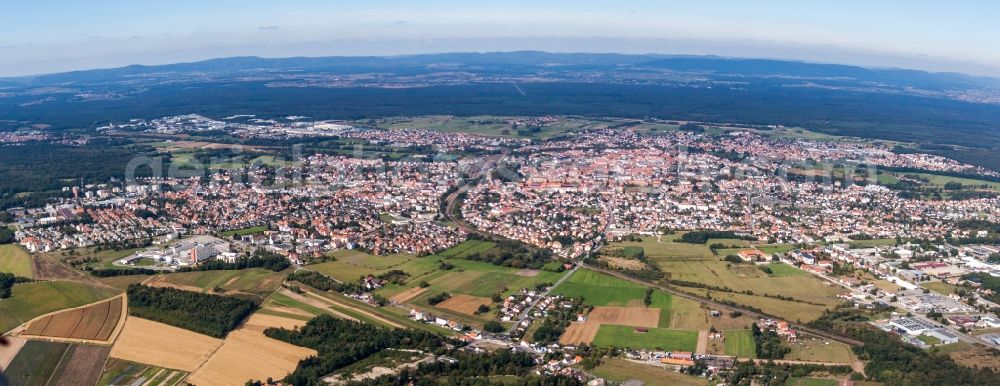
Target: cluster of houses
(781, 327)
(679, 359)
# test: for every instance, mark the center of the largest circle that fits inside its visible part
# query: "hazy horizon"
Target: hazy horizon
(57, 35)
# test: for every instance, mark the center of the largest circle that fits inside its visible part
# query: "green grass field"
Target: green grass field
(15, 260)
(939, 287)
(785, 270)
(795, 381)
(656, 338)
(244, 231)
(817, 350)
(740, 343)
(256, 281)
(621, 370)
(601, 290)
(30, 300)
(598, 289)
(351, 264)
(667, 248)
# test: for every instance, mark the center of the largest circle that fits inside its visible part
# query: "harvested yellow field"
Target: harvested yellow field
(625, 316)
(158, 344)
(248, 354)
(579, 333)
(464, 303)
(408, 295)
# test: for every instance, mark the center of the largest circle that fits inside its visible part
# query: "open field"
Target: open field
(464, 303)
(579, 332)
(14, 259)
(939, 287)
(809, 381)
(786, 280)
(52, 363)
(351, 264)
(790, 310)
(244, 231)
(231, 364)
(667, 248)
(467, 248)
(81, 365)
(254, 281)
(975, 356)
(408, 295)
(656, 338)
(162, 345)
(122, 372)
(690, 315)
(50, 268)
(625, 316)
(94, 322)
(819, 350)
(35, 363)
(601, 290)
(740, 343)
(31, 300)
(622, 370)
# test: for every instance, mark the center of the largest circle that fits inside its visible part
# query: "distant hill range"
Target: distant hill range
(958, 111)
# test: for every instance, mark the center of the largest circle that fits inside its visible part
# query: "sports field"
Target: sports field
(31, 300)
(14, 259)
(609, 335)
(740, 343)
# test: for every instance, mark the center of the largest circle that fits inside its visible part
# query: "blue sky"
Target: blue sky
(41, 36)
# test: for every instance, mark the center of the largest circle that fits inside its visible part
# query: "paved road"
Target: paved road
(713, 303)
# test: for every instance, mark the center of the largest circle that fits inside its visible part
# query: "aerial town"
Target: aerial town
(851, 217)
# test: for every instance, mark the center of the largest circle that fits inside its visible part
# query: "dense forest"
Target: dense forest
(7, 281)
(322, 282)
(341, 342)
(44, 169)
(211, 315)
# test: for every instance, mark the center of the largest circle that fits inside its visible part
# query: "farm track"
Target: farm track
(713, 303)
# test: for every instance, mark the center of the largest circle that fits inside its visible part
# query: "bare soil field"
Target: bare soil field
(464, 303)
(579, 332)
(408, 295)
(146, 341)
(81, 366)
(95, 322)
(47, 268)
(248, 354)
(625, 316)
(8, 352)
(527, 272)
